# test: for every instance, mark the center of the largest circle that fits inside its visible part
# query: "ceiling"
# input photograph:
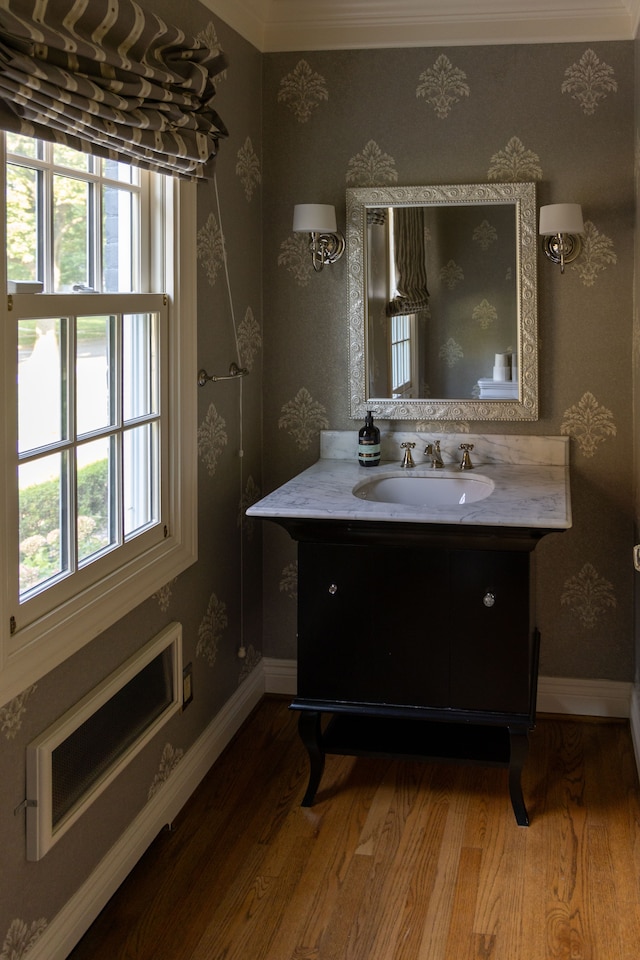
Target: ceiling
(278, 25)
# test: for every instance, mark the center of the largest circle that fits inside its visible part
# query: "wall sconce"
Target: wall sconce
(319, 221)
(560, 225)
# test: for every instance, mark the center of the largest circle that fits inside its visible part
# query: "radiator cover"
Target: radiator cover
(77, 757)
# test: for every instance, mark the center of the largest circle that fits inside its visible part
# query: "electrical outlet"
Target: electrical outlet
(187, 685)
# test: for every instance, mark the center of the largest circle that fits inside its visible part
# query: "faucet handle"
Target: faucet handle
(407, 459)
(465, 463)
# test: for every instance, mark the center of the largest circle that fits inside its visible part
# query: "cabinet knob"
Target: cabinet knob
(333, 588)
(489, 599)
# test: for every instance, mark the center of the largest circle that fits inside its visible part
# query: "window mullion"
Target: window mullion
(94, 234)
(71, 432)
(44, 213)
(117, 479)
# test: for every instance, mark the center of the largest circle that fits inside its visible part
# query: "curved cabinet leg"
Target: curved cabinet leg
(519, 748)
(310, 732)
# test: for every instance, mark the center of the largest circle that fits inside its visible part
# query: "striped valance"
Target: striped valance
(112, 79)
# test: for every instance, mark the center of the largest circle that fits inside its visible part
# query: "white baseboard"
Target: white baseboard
(77, 915)
(280, 676)
(603, 698)
(590, 698)
(593, 698)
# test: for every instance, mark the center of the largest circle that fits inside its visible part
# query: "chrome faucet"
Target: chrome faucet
(407, 459)
(465, 463)
(433, 450)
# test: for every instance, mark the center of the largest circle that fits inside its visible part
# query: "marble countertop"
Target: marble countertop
(524, 495)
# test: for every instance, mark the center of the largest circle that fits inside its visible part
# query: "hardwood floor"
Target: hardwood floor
(395, 861)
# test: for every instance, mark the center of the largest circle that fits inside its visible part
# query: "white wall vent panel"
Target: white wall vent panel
(71, 763)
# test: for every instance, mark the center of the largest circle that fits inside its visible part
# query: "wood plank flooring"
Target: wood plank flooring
(395, 861)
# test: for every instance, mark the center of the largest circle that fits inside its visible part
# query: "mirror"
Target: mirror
(442, 302)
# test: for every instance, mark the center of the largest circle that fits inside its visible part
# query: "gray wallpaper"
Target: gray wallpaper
(206, 599)
(560, 115)
(303, 127)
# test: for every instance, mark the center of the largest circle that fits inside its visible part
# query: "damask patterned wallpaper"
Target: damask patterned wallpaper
(303, 127)
(560, 115)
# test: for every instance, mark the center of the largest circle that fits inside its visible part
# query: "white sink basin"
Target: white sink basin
(418, 490)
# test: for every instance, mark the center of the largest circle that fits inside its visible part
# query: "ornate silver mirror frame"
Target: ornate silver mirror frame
(523, 198)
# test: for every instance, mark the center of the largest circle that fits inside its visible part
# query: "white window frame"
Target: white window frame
(402, 355)
(30, 652)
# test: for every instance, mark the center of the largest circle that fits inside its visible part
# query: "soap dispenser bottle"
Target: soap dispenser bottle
(369, 443)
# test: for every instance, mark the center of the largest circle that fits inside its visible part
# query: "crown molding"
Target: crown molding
(246, 17)
(289, 25)
(634, 13)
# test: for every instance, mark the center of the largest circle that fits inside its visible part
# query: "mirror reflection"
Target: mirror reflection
(442, 301)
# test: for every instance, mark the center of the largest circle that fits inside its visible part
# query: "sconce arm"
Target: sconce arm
(325, 248)
(562, 248)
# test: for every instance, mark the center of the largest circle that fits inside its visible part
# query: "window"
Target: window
(99, 382)
(75, 223)
(401, 354)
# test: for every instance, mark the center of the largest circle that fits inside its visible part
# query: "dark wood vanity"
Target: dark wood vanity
(416, 641)
(416, 623)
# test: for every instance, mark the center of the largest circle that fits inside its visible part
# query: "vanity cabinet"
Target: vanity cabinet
(416, 625)
(416, 641)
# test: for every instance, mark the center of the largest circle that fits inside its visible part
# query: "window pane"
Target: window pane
(68, 157)
(94, 375)
(140, 365)
(96, 497)
(141, 478)
(43, 489)
(22, 224)
(71, 232)
(24, 146)
(42, 407)
(401, 356)
(122, 172)
(117, 240)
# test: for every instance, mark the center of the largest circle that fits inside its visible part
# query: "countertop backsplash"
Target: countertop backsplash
(487, 448)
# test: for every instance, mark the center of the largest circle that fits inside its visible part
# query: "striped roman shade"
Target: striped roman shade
(109, 78)
(411, 262)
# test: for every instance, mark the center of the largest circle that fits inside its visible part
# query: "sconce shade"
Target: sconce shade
(314, 218)
(562, 218)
